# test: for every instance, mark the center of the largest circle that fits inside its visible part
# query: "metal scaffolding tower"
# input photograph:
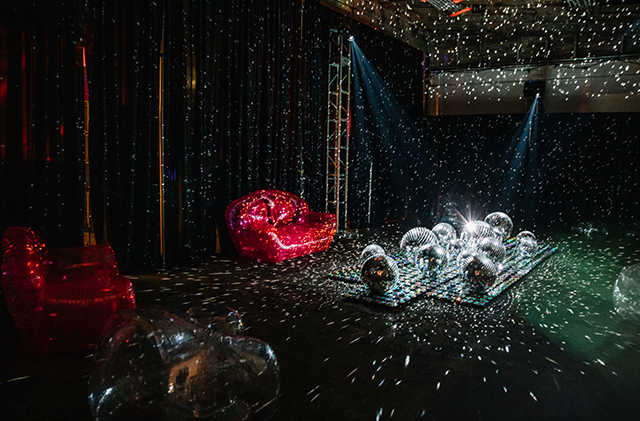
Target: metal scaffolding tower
(338, 127)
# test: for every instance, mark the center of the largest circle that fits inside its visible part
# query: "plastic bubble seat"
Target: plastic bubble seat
(60, 299)
(273, 225)
(164, 365)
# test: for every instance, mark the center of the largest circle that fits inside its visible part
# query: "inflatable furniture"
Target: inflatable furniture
(272, 225)
(60, 299)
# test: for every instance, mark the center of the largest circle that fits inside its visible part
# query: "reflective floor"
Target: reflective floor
(551, 347)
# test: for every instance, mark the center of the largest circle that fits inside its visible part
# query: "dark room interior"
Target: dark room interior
(139, 125)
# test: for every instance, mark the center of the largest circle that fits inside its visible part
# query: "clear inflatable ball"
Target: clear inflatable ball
(163, 365)
(626, 293)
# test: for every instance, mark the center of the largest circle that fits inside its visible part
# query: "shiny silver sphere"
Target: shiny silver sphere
(455, 247)
(477, 269)
(380, 274)
(527, 246)
(525, 234)
(500, 223)
(493, 249)
(476, 230)
(431, 257)
(626, 293)
(416, 237)
(445, 233)
(370, 251)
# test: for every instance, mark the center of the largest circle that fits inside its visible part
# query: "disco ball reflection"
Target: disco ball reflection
(471, 266)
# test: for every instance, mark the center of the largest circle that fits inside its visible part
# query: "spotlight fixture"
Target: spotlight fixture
(350, 38)
(443, 4)
(534, 88)
(581, 3)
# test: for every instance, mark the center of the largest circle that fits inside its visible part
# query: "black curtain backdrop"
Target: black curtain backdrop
(587, 167)
(244, 108)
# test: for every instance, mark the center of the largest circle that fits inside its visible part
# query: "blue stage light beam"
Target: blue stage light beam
(518, 189)
(384, 134)
(530, 192)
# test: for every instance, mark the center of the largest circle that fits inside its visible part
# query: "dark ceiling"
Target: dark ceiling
(502, 33)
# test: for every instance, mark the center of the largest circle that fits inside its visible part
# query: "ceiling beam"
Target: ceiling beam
(383, 17)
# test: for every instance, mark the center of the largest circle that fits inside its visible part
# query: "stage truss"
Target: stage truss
(338, 128)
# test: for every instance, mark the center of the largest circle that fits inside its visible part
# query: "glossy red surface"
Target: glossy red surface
(60, 299)
(272, 225)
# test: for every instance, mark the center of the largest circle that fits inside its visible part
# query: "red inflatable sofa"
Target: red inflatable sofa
(60, 299)
(273, 225)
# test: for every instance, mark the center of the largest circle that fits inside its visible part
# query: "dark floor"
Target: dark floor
(551, 347)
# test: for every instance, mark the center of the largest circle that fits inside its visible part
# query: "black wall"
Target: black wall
(585, 166)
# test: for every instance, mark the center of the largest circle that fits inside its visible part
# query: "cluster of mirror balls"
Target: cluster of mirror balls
(477, 249)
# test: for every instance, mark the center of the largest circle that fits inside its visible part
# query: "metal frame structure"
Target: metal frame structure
(338, 127)
(161, 149)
